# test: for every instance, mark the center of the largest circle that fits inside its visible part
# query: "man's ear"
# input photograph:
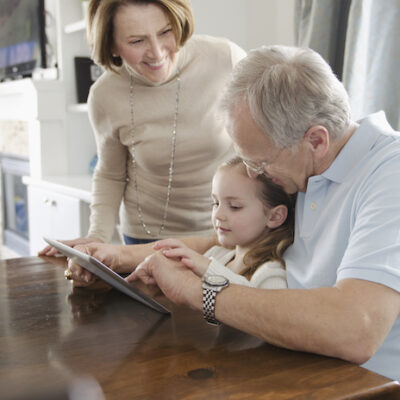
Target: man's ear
(277, 216)
(318, 138)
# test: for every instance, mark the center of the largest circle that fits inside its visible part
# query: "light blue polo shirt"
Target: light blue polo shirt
(348, 224)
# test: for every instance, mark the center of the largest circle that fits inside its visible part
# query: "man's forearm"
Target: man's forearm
(286, 318)
(326, 321)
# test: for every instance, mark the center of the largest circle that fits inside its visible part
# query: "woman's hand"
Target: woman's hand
(174, 248)
(51, 251)
(108, 254)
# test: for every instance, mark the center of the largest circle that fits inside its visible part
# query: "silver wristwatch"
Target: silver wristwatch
(212, 284)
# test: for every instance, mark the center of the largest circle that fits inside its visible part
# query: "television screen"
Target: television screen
(22, 37)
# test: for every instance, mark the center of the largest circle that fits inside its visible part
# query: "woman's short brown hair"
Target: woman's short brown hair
(101, 26)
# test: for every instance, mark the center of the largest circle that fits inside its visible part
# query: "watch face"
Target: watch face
(216, 280)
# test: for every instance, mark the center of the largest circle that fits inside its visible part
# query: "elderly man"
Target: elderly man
(289, 118)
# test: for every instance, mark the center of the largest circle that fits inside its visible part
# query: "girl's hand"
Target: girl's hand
(174, 248)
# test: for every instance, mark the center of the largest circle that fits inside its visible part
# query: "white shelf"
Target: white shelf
(81, 107)
(28, 99)
(75, 27)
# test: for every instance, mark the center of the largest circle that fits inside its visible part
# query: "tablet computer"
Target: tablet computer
(107, 275)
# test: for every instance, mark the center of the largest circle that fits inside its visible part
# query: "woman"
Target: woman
(155, 116)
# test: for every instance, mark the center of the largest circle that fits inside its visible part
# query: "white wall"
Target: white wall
(249, 23)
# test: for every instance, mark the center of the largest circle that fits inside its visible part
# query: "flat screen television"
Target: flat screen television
(22, 37)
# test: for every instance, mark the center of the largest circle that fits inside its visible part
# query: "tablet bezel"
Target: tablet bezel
(107, 275)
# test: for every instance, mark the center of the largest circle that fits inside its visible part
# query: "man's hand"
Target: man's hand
(175, 280)
(174, 248)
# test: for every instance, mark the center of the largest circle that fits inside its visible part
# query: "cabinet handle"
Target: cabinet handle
(49, 202)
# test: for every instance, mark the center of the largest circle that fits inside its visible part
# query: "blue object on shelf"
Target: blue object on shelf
(92, 164)
(21, 220)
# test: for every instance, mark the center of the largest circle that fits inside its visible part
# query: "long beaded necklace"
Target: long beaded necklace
(171, 164)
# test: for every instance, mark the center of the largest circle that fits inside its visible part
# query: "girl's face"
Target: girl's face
(144, 39)
(239, 216)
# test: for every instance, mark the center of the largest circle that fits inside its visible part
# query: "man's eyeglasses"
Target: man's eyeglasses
(258, 168)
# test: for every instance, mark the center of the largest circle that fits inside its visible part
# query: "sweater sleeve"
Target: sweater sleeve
(270, 275)
(109, 179)
(217, 268)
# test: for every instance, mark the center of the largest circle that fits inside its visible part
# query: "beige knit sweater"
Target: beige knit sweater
(205, 64)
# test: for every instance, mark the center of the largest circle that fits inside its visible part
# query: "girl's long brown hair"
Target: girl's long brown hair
(271, 246)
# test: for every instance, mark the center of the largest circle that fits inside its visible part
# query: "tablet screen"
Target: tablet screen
(107, 275)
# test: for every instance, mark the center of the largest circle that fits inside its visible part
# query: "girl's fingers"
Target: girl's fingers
(167, 243)
(177, 252)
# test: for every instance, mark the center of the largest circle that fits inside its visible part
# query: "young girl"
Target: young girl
(254, 222)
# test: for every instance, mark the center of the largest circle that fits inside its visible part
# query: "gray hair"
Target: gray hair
(289, 90)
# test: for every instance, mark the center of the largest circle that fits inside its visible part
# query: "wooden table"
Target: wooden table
(52, 334)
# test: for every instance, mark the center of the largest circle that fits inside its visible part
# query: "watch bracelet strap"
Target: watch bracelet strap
(209, 306)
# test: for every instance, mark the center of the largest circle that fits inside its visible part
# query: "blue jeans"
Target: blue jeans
(131, 240)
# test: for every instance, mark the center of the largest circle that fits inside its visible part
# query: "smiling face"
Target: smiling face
(239, 216)
(288, 169)
(144, 39)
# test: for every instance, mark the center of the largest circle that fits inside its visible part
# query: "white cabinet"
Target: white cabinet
(55, 215)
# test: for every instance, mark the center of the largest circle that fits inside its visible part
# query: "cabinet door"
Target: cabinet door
(54, 215)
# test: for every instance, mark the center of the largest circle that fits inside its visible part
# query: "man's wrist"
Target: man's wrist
(194, 294)
(204, 265)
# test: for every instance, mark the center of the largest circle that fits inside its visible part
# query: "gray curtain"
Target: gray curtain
(321, 25)
(361, 41)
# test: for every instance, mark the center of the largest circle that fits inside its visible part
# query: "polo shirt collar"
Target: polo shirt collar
(360, 143)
